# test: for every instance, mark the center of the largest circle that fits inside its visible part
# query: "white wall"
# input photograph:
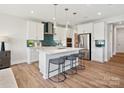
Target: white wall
(62, 34)
(120, 40)
(15, 28)
(115, 38)
(110, 40)
(106, 38)
(116, 27)
(114, 34)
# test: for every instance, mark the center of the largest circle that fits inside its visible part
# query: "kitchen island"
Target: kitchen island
(46, 53)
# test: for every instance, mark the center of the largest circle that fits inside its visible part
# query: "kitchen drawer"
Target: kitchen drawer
(5, 54)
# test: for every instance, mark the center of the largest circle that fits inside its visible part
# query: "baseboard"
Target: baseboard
(18, 62)
(23, 61)
(32, 61)
(120, 53)
(98, 61)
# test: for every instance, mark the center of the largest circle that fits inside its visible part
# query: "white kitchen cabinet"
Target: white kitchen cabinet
(35, 30)
(40, 31)
(31, 30)
(32, 55)
(99, 31)
(85, 28)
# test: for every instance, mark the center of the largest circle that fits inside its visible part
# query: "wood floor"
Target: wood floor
(96, 75)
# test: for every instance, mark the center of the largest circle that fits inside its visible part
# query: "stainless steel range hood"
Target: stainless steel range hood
(48, 28)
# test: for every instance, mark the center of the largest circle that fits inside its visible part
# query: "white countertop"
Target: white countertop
(54, 50)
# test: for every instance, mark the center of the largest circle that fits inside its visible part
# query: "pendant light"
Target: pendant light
(66, 19)
(54, 19)
(74, 14)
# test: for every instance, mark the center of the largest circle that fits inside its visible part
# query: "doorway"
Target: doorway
(120, 40)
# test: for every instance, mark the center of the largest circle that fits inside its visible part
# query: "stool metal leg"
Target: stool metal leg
(63, 70)
(48, 69)
(58, 72)
(74, 62)
(80, 66)
(75, 66)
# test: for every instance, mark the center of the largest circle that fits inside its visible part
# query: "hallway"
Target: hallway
(118, 58)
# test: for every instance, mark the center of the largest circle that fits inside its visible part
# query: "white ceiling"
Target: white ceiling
(85, 12)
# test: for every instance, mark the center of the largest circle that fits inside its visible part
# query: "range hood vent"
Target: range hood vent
(48, 28)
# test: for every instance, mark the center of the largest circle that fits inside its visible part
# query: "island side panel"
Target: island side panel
(42, 63)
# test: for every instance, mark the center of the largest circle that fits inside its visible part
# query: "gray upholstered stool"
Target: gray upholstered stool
(72, 60)
(57, 61)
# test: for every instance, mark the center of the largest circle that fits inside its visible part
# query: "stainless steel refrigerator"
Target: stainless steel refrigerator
(84, 41)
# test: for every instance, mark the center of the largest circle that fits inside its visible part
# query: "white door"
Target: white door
(120, 40)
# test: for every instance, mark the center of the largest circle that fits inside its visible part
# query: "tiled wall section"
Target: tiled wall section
(48, 40)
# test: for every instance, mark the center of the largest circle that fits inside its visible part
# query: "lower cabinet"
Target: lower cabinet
(5, 59)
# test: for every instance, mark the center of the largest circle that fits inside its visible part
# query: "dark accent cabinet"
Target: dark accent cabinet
(5, 57)
(69, 42)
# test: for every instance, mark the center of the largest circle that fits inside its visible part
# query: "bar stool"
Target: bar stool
(80, 58)
(57, 61)
(73, 69)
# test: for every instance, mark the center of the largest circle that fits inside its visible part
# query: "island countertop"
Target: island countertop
(55, 50)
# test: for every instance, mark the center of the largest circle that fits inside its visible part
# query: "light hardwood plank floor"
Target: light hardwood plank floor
(96, 75)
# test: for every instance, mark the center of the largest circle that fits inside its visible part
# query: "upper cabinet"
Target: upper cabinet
(85, 28)
(35, 30)
(99, 31)
(40, 31)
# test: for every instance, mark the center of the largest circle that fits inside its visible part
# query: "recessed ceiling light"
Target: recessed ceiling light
(54, 18)
(74, 13)
(99, 13)
(66, 9)
(32, 12)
